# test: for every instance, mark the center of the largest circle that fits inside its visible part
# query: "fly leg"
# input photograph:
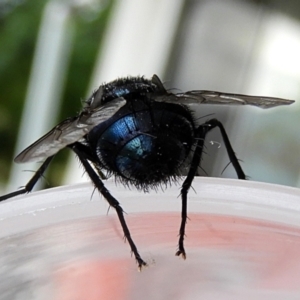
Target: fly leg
(84, 155)
(31, 183)
(201, 133)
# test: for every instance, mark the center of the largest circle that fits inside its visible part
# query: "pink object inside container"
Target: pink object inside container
(242, 242)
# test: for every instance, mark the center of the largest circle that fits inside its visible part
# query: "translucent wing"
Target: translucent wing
(69, 131)
(210, 97)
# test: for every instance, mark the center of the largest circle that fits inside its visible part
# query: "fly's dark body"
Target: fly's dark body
(145, 143)
(136, 130)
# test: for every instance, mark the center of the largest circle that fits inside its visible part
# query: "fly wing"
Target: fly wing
(210, 97)
(69, 131)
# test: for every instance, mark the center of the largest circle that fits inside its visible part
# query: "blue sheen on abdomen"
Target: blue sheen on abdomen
(125, 142)
(120, 130)
(146, 146)
(133, 154)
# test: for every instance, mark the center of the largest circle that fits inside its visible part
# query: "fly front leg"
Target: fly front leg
(83, 157)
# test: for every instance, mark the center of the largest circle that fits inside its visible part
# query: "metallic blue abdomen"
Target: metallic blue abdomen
(146, 144)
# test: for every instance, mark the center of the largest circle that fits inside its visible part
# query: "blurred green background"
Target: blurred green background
(19, 25)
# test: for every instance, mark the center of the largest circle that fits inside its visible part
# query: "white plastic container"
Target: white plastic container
(242, 242)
